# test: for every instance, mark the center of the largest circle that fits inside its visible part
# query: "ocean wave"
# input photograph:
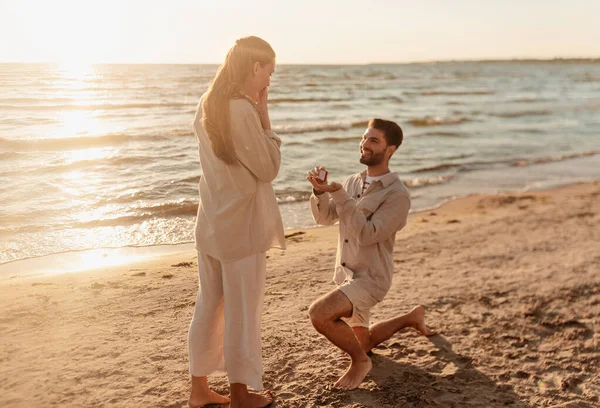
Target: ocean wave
(438, 121)
(521, 114)
(319, 127)
(532, 100)
(341, 106)
(181, 132)
(443, 134)
(99, 106)
(434, 92)
(589, 107)
(107, 161)
(141, 214)
(439, 167)
(34, 101)
(304, 100)
(340, 139)
(287, 196)
(478, 165)
(379, 74)
(550, 159)
(184, 207)
(27, 121)
(587, 77)
(10, 155)
(61, 143)
(194, 180)
(84, 142)
(534, 131)
(388, 98)
(420, 182)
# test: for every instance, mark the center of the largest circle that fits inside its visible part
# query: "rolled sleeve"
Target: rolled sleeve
(323, 209)
(257, 149)
(273, 136)
(340, 196)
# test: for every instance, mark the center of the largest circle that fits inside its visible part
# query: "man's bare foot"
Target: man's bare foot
(417, 320)
(252, 400)
(355, 374)
(197, 401)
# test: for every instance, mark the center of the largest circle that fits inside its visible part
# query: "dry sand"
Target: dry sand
(511, 281)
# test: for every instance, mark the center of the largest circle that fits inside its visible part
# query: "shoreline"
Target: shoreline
(73, 261)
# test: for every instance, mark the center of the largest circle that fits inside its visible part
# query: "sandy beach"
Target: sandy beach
(511, 282)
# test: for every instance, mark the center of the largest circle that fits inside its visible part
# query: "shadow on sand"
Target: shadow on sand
(396, 384)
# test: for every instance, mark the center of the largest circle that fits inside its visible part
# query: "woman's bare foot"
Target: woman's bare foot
(355, 375)
(417, 320)
(252, 400)
(197, 401)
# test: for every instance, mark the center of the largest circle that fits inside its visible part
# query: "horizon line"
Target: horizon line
(516, 59)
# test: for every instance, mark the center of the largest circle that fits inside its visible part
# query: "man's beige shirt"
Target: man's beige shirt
(238, 214)
(368, 226)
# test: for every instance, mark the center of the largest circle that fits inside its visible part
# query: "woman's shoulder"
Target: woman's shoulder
(242, 105)
(200, 105)
(198, 114)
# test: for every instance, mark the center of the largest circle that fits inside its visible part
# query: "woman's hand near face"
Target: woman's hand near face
(263, 108)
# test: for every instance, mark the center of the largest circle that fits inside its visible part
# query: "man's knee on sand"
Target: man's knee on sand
(328, 309)
(324, 311)
(319, 317)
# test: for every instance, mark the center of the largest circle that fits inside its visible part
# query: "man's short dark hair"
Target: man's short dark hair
(392, 132)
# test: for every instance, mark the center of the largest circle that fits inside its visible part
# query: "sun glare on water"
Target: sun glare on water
(81, 103)
(75, 70)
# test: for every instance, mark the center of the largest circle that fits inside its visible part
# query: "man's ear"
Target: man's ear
(392, 149)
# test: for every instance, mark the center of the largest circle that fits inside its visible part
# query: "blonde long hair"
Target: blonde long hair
(226, 85)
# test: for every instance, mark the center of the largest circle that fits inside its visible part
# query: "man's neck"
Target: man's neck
(379, 170)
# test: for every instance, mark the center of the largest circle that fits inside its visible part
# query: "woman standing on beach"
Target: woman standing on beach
(238, 221)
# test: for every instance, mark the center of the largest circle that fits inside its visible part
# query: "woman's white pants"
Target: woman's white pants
(225, 330)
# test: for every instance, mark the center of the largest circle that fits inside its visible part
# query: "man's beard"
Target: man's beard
(373, 159)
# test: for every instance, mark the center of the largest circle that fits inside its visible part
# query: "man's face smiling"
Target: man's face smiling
(373, 147)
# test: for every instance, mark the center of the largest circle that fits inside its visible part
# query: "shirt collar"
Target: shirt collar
(386, 180)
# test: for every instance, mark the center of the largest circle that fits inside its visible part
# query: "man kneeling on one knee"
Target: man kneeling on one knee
(371, 207)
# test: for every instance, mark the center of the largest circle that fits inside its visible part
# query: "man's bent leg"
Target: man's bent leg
(363, 335)
(325, 315)
(382, 331)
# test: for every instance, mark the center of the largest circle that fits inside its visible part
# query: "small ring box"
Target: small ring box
(322, 177)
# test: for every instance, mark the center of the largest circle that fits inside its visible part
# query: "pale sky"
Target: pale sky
(300, 31)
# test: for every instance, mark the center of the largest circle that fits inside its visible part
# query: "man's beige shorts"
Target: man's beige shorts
(356, 290)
